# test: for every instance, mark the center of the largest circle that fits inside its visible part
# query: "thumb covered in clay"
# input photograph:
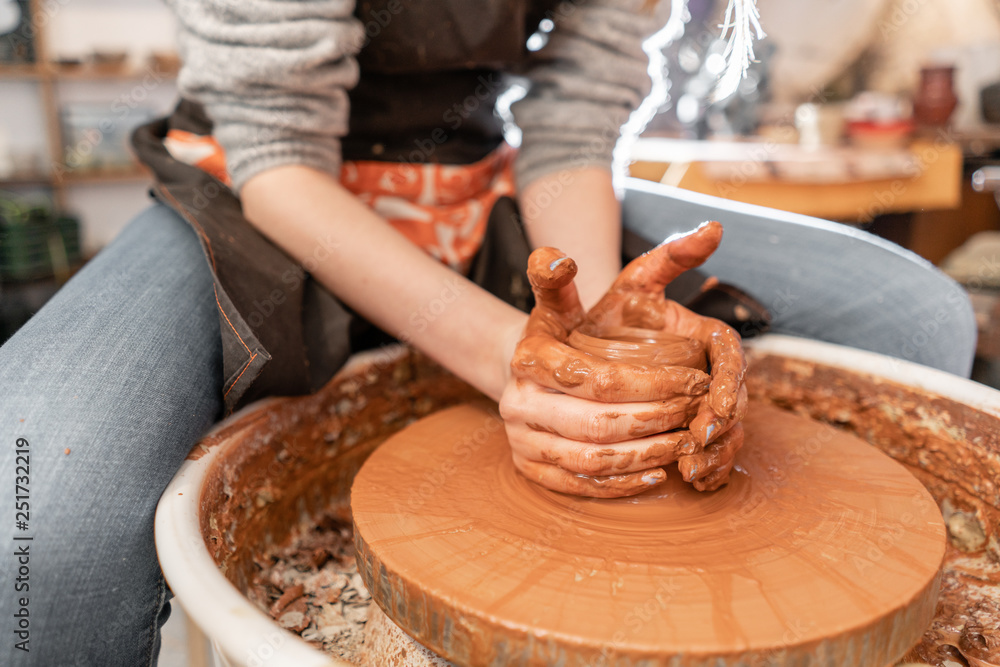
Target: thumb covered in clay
(551, 275)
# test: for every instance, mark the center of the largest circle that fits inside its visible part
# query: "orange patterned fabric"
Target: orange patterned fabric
(200, 151)
(442, 208)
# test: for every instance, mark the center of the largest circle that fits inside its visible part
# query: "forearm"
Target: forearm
(383, 276)
(577, 212)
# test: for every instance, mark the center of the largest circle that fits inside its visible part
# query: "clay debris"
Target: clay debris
(311, 586)
(966, 629)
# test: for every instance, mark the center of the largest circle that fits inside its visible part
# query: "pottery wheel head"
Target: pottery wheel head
(820, 551)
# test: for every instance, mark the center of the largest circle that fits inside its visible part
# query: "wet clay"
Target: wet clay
(634, 345)
(635, 299)
(819, 546)
(707, 470)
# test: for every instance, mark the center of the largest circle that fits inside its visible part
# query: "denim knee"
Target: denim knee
(108, 386)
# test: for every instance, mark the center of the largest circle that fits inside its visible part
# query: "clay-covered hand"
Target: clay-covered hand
(580, 424)
(636, 299)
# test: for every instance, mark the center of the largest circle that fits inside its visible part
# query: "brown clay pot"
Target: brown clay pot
(935, 99)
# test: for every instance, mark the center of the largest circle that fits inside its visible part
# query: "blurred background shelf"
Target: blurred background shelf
(25, 180)
(35, 72)
(26, 71)
(109, 63)
(849, 184)
(134, 174)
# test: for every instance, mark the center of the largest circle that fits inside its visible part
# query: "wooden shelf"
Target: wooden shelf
(26, 71)
(49, 71)
(26, 180)
(92, 73)
(133, 174)
(936, 185)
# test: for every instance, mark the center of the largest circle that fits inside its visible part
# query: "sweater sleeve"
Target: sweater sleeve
(583, 85)
(273, 76)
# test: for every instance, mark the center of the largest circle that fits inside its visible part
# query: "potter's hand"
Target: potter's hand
(709, 469)
(583, 425)
(636, 299)
(544, 357)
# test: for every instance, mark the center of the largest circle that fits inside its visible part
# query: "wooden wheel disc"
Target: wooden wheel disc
(820, 551)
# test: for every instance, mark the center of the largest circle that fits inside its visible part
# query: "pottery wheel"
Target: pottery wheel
(820, 551)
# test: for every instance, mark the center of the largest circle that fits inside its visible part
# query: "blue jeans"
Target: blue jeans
(110, 384)
(122, 369)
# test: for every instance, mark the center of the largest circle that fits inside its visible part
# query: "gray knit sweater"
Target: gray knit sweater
(274, 77)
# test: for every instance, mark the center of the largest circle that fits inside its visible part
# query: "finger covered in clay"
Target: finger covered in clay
(707, 426)
(593, 421)
(729, 366)
(724, 348)
(710, 469)
(654, 270)
(554, 478)
(585, 458)
(551, 275)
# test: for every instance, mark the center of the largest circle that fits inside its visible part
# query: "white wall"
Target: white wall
(107, 209)
(913, 33)
(22, 119)
(963, 33)
(817, 40)
(77, 27)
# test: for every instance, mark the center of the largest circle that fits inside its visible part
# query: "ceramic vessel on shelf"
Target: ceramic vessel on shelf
(935, 99)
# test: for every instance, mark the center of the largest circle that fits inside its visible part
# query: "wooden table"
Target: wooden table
(778, 175)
